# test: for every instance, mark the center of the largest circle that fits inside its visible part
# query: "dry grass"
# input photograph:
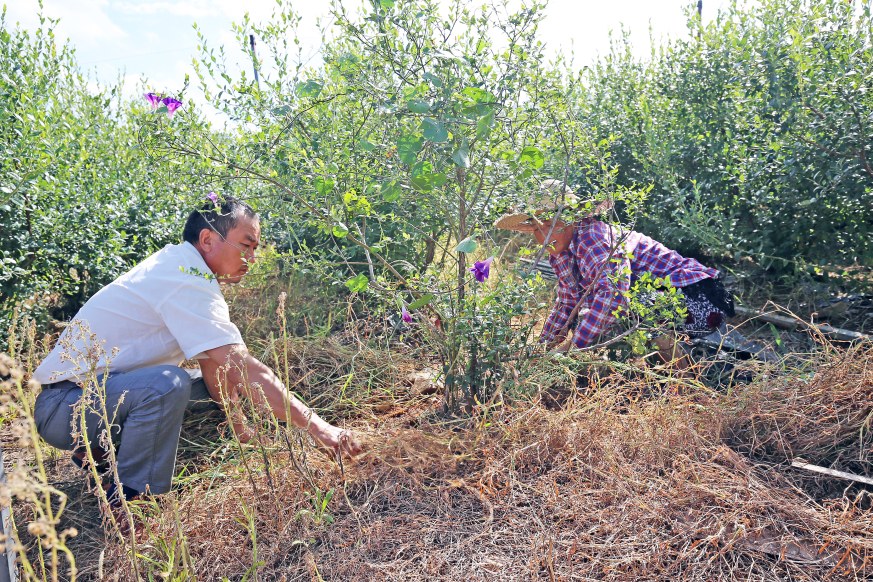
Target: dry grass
(607, 486)
(824, 415)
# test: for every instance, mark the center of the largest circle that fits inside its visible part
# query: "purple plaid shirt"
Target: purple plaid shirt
(597, 270)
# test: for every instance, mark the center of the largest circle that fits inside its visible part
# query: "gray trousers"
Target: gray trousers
(145, 408)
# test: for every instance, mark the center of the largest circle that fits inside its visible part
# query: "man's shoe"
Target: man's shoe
(116, 507)
(81, 460)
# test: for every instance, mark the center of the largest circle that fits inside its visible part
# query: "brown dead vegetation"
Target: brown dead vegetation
(605, 488)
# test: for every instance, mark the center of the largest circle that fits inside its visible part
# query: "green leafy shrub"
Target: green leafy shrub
(389, 162)
(79, 202)
(754, 131)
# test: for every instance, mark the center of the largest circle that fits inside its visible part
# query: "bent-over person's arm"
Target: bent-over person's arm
(235, 371)
(566, 300)
(601, 259)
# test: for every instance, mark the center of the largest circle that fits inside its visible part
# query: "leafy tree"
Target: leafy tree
(754, 131)
(395, 155)
(79, 203)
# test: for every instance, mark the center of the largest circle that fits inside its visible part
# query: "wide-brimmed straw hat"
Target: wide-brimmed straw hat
(553, 196)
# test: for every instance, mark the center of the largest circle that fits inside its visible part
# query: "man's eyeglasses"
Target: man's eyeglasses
(244, 252)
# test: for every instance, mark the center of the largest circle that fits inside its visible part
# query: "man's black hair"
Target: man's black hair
(219, 216)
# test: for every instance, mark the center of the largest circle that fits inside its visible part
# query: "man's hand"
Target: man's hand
(338, 440)
(329, 436)
(231, 372)
(244, 433)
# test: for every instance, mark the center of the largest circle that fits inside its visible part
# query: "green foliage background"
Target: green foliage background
(750, 135)
(80, 202)
(755, 131)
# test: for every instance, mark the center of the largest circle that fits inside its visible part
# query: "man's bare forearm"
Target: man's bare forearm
(264, 386)
(241, 374)
(231, 372)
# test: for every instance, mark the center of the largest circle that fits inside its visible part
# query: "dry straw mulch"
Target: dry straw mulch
(603, 489)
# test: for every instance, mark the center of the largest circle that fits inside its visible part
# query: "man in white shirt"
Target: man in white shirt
(133, 333)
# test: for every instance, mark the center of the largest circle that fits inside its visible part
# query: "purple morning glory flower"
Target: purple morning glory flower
(481, 269)
(213, 196)
(172, 105)
(153, 99)
(405, 316)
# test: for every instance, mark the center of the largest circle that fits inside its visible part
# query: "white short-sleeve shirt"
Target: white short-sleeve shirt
(166, 309)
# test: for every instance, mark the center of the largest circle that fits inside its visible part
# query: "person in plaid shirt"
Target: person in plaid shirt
(595, 264)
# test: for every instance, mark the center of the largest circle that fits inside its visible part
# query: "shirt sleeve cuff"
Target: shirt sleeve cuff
(198, 352)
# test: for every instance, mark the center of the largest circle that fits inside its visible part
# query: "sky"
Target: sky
(155, 39)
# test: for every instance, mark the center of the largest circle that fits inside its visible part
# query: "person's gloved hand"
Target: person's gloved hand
(563, 348)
